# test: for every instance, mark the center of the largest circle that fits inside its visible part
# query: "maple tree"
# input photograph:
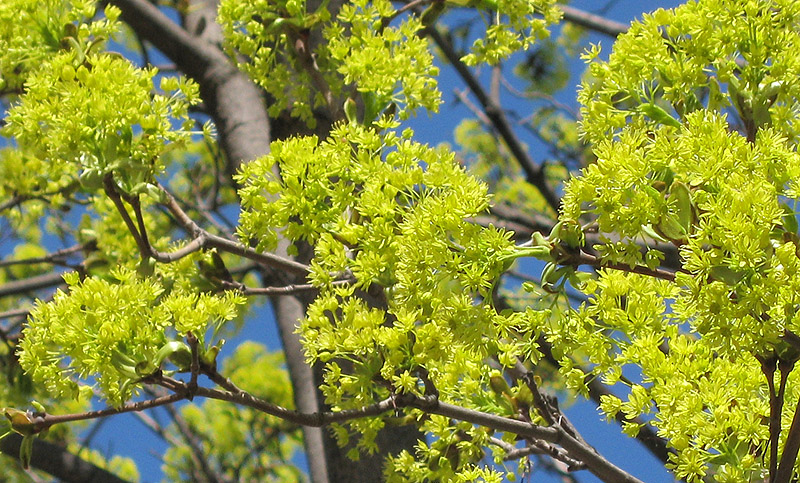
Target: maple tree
(414, 347)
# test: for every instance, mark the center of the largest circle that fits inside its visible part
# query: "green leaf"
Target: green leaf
(26, 450)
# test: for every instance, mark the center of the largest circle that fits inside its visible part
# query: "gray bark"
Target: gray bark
(239, 112)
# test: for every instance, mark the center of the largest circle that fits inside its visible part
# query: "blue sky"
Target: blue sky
(124, 435)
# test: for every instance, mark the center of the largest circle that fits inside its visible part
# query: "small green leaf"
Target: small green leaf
(26, 450)
(658, 114)
(681, 200)
(351, 110)
(178, 352)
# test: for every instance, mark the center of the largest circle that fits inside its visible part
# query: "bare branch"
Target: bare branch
(592, 21)
(284, 290)
(113, 193)
(12, 202)
(204, 239)
(533, 172)
(31, 284)
(596, 463)
(56, 257)
(45, 421)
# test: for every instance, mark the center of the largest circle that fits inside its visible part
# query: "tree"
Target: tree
(670, 259)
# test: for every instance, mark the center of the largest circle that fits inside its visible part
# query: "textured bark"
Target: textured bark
(305, 383)
(239, 112)
(31, 284)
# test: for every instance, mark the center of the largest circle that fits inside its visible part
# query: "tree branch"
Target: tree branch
(555, 433)
(534, 173)
(238, 110)
(593, 22)
(56, 257)
(575, 447)
(583, 258)
(8, 314)
(30, 284)
(48, 420)
(790, 450)
(58, 462)
(200, 237)
(290, 289)
(208, 240)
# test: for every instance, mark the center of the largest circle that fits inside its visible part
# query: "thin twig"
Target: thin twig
(554, 452)
(463, 97)
(112, 192)
(583, 258)
(45, 421)
(204, 239)
(200, 237)
(534, 174)
(199, 458)
(539, 95)
(12, 202)
(768, 367)
(307, 60)
(284, 290)
(413, 4)
(153, 425)
(55, 257)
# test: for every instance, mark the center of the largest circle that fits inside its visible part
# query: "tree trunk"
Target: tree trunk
(240, 114)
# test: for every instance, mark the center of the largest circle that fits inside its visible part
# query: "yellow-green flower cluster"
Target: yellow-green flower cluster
(357, 51)
(513, 25)
(32, 32)
(715, 55)
(113, 329)
(394, 214)
(692, 122)
(86, 115)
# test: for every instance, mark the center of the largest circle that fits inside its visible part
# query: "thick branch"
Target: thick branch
(593, 22)
(790, 450)
(38, 282)
(238, 110)
(58, 462)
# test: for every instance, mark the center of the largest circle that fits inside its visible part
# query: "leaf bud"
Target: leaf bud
(351, 110)
(498, 383)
